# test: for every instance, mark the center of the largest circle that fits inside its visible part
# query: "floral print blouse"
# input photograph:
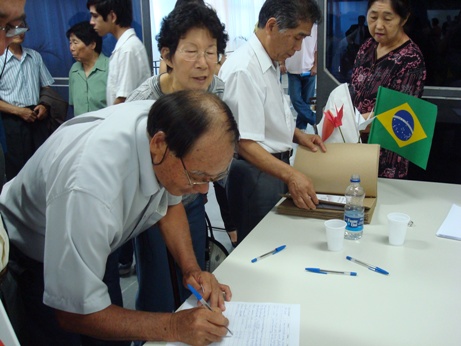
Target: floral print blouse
(403, 70)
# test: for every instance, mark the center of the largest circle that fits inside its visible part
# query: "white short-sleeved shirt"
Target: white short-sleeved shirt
(128, 66)
(303, 60)
(254, 94)
(86, 190)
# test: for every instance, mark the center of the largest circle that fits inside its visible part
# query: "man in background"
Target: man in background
(128, 68)
(11, 15)
(24, 77)
(301, 69)
(253, 92)
(128, 65)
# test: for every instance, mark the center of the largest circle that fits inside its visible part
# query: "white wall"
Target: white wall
(239, 16)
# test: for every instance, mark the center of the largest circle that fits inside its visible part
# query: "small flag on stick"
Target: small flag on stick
(404, 124)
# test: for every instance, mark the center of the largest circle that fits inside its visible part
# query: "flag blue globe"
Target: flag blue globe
(403, 125)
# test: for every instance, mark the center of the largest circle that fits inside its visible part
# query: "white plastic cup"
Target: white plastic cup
(335, 229)
(397, 227)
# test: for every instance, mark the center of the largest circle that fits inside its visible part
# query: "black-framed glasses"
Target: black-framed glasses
(193, 182)
(15, 30)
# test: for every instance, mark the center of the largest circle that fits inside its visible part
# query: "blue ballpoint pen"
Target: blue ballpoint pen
(203, 301)
(273, 252)
(373, 268)
(325, 271)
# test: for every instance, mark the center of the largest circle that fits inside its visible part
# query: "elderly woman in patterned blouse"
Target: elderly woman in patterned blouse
(389, 59)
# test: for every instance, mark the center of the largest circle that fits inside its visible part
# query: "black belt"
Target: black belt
(281, 156)
(284, 156)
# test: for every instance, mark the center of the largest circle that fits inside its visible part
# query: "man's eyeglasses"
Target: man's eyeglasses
(15, 30)
(189, 54)
(193, 182)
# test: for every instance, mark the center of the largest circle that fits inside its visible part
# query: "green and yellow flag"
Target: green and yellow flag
(404, 124)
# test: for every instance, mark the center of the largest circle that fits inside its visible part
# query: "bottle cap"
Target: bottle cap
(355, 178)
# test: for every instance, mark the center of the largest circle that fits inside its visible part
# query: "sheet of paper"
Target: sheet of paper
(260, 324)
(331, 198)
(451, 227)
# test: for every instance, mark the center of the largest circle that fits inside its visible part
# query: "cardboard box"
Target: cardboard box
(331, 173)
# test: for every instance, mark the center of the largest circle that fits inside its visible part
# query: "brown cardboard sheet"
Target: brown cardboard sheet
(331, 172)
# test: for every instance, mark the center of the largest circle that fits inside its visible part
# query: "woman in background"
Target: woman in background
(389, 59)
(87, 76)
(190, 41)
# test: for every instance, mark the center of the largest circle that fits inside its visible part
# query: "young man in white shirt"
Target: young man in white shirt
(128, 65)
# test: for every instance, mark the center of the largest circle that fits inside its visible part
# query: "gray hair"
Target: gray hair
(289, 13)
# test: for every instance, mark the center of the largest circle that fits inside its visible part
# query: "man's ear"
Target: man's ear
(271, 26)
(158, 147)
(112, 17)
(165, 53)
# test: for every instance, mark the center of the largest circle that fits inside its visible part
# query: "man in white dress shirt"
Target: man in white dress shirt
(100, 180)
(128, 65)
(254, 93)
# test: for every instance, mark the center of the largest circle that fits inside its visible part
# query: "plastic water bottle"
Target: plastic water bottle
(353, 210)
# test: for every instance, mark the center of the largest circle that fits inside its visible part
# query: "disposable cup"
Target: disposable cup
(397, 227)
(335, 229)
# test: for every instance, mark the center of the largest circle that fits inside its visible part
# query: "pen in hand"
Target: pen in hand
(272, 252)
(203, 301)
(369, 266)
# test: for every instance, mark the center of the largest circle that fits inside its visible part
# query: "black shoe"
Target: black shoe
(124, 269)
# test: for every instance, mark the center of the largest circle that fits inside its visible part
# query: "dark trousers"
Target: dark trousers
(39, 325)
(22, 140)
(156, 291)
(221, 198)
(251, 194)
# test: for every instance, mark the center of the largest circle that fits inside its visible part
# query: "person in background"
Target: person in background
(163, 66)
(301, 69)
(101, 179)
(11, 16)
(88, 75)
(128, 68)
(389, 59)
(128, 65)
(359, 32)
(253, 91)
(190, 40)
(24, 118)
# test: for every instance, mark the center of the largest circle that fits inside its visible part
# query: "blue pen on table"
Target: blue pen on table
(326, 271)
(203, 301)
(369, 266)
(272, 252)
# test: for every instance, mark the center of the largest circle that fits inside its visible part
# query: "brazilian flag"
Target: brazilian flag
(404, 124)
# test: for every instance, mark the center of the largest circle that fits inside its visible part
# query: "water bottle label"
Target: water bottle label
(354, 224)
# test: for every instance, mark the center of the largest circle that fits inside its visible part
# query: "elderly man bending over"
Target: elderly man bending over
(101, 179)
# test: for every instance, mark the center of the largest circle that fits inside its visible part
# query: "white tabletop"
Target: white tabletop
(419, 303)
